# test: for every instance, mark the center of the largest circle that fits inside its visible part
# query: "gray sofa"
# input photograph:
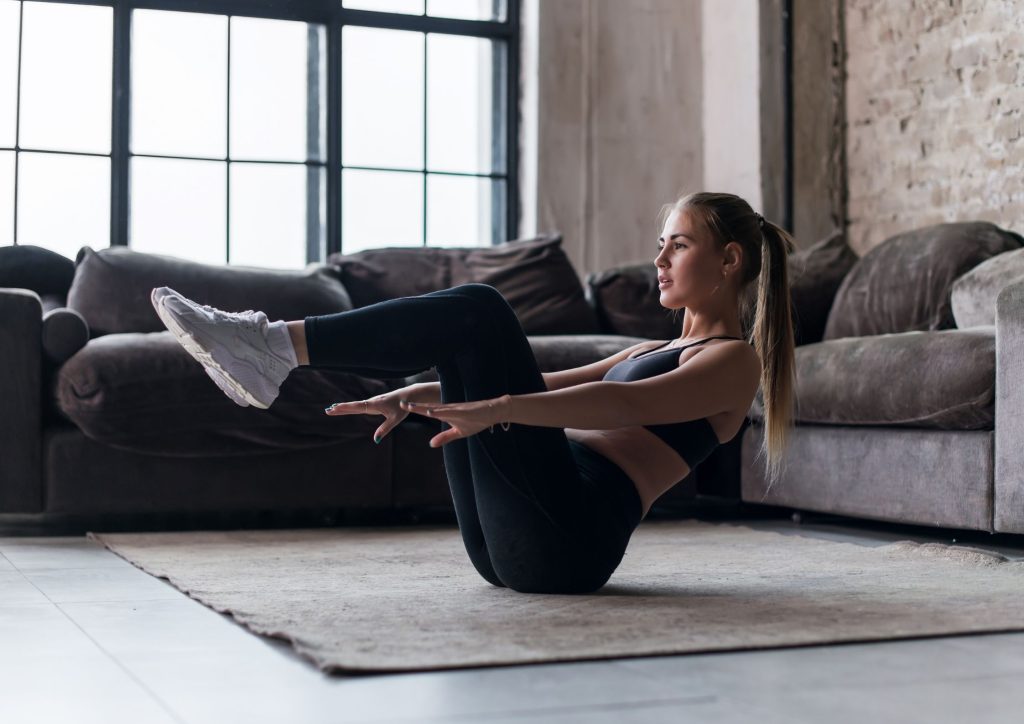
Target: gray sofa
(910, 408)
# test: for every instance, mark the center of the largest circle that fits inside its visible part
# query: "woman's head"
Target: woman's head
(726, 246)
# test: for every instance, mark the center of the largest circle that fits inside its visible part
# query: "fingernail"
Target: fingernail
(328, 409)
(376, 439)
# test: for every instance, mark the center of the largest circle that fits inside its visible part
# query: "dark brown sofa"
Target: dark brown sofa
(104, 413)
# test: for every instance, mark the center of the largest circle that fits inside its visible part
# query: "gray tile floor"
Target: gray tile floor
(85, 636)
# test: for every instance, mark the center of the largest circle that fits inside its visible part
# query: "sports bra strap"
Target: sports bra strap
(706, 339)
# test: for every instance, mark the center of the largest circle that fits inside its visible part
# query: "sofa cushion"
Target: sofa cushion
(974, 293)
(626, 300)
(626, 297)
(815, 275)
(534, 275)
(556, 352)
(937, 379)
(903, 284)
(143, 392)
(111, 289)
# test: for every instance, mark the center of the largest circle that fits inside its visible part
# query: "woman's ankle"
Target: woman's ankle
(297, 332)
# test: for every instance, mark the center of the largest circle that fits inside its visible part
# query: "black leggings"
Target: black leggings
(537, 512)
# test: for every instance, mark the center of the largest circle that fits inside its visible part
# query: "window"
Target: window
(255, 132)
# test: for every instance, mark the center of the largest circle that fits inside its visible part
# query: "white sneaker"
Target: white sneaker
(232, 346)
(225, 386)
(214, 374)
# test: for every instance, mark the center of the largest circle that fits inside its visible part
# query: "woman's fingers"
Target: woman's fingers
(356, 407)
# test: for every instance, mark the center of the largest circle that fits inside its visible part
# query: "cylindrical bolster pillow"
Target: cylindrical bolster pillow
(64, 333)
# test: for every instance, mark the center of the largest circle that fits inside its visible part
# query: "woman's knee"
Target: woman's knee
(483, 294)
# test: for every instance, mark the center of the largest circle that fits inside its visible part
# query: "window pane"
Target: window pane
(63, 202)
(382, 98)
(8, 71)
(459, 92)
(179, 208)
(6, 197)
(459, 210)
(179, 83)
(409, 7)
(268, 214)
(467, 9)
(275, 115)
(381, 208)
(66, 59)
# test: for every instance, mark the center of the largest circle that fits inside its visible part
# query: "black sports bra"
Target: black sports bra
(693, 440)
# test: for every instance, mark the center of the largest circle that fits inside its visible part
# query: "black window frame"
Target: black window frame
(333, 16)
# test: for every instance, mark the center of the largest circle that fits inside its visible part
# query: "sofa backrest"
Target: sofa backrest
(627, 299)
(45, 272)
(111, 289)
(534, 275)
(904, 283)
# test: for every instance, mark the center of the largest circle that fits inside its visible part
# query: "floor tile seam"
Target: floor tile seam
(68, 568)
(550, 710)
(128, 672)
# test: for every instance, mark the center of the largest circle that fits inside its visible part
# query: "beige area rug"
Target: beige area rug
(407, 598)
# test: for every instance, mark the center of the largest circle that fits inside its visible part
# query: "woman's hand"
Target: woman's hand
(465, 418)
(386, 404)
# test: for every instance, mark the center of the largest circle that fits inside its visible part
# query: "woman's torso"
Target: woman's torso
(653, 466)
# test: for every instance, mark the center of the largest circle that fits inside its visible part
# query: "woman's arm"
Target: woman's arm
(425, 392)
(587, 406)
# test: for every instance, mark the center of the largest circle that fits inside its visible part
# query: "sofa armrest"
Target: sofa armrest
(21, 321)
(1008, 505)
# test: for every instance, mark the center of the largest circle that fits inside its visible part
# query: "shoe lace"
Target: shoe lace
(248, 318)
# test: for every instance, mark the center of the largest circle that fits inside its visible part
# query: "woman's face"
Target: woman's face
(689, 261)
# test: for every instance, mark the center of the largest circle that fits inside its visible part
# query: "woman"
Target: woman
(548, 503)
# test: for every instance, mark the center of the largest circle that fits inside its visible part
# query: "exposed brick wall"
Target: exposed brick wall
(934, 101)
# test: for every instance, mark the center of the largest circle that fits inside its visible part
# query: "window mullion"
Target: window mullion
(120, 131)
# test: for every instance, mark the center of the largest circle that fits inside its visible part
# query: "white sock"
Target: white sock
(281, 342)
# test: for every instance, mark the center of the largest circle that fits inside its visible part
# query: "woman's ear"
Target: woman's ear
(732, 258)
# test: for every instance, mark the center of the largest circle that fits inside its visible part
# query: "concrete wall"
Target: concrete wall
(732, 99)
(934, 96)
(819, 170)
(614, 129)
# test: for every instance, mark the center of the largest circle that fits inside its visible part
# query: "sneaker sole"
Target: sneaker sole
(201, 355)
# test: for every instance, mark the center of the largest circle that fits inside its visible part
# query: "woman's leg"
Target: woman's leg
(518, 494)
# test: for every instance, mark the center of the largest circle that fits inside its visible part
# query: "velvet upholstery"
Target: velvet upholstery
(626, 298)
(974, 293)
(903, 475)
(143, 392)
(21, 371)
(943, 380)
(556, 352)
(47, 273)
(64, 333)
(112, 286)
(534, 275)
(904, 283)
(1009, 452)
(111, 388)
